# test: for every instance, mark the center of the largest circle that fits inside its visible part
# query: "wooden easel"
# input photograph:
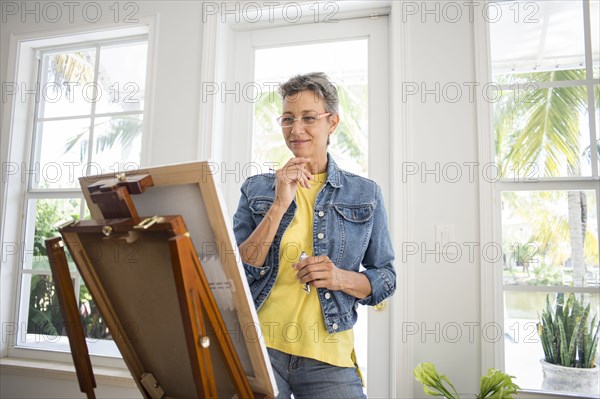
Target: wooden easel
(196, 308)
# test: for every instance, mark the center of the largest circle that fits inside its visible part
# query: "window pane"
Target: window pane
(532, 37)
(550, 238)
(117, 144)
(43, 219)
(346, 65)
(595, 31)
(44, 316)
(61, 154)
(122, 78)
(523, 347)
(45, 323)
(93, 323)
(68, 86)
(587, 152)
(99, 339)
(542, 132)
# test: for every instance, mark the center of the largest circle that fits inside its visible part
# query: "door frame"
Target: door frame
(220, 35)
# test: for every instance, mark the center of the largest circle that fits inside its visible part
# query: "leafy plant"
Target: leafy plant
(567, 338)
(494, 385)
(44, 312)
(434, 384)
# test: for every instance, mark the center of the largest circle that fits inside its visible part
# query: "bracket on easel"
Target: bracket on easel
(113, 196)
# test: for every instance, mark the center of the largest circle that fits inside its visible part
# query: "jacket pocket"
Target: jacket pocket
(355, 213)
(354, 226)
(259, 208)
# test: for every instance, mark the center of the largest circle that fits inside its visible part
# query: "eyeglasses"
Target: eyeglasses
(307, 119)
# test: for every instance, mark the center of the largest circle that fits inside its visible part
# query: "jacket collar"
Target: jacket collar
(333, 172)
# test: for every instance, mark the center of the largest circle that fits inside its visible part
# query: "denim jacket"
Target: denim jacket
(349, 225)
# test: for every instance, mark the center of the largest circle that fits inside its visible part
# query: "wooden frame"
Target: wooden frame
(150, 288)
(65, 293)
(190, 190)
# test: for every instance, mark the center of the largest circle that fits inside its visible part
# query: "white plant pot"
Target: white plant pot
(570, 379)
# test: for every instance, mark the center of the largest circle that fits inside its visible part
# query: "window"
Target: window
(87, 119)
(545, 63)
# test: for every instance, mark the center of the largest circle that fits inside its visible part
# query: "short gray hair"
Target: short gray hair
(318, 83)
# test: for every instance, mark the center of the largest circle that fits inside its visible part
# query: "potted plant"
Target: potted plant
(494, 385)
(570, 345)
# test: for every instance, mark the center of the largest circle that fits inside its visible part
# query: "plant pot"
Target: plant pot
(570, 379)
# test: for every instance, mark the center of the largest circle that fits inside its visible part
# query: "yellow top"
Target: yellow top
(291, 320)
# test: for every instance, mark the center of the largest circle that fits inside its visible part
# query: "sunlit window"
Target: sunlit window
(546, 65)
(89, 113)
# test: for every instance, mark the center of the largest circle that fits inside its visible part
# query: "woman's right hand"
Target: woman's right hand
(295, 172)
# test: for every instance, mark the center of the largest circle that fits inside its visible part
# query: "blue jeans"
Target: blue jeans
(309, 378)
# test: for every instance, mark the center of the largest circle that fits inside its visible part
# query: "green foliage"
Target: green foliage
(92, 321)
(567, 338)
(45, 217)
(71, 67)
(540, 128)
(494, 385)
(350, 137)
(44, 311)
(434, 384)
(45, 316)
(538, 133)
(546, 275)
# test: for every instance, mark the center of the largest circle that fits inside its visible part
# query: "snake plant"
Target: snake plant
(567, 337)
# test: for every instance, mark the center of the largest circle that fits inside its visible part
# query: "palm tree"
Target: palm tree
(541, 134)
(78, 67)
(123, 131)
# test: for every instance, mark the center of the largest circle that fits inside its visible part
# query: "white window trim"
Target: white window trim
(17, 119)
(402, 200)
(217, 48)
(491, 280)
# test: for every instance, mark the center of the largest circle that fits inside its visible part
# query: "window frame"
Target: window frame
(19, 116)
(492, 285)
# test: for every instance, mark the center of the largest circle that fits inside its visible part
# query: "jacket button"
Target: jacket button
(262, 272)
(320, 236)
(334, 326)
(327, 295)
(321, 214)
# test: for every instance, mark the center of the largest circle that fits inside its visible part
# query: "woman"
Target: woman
(307, 304)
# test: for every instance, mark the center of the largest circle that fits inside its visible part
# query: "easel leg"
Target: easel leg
(190, 275)
(68, 307)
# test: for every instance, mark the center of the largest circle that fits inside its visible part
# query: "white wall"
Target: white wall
(20, 384)
(445, 294)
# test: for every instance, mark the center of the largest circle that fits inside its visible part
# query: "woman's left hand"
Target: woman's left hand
(320, 272)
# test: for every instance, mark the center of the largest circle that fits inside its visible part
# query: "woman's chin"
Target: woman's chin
(300, 152)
